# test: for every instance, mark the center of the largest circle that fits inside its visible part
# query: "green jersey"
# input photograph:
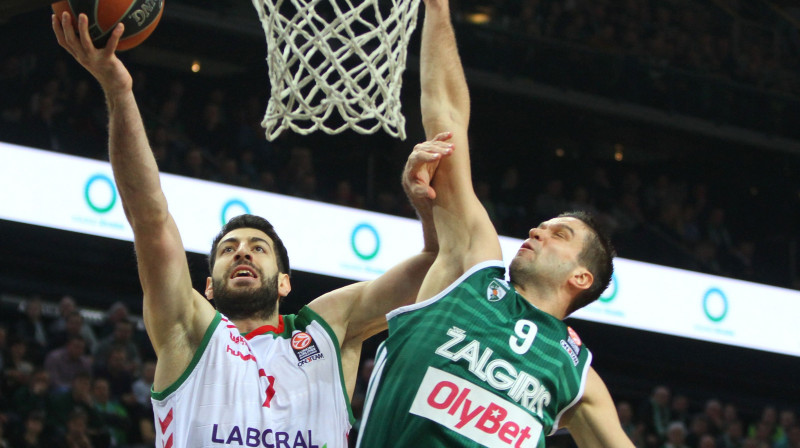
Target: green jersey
(476, 365)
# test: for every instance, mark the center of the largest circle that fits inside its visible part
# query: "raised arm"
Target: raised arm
(593, 422)
(466, 234)
(176, 316)
(358, 311)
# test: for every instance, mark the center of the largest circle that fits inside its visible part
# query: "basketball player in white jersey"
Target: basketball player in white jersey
(242, 375)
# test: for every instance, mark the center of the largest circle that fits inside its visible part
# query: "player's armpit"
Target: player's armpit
(358, 311)
(593, 422)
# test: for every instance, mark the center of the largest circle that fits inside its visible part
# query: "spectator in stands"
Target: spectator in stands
(730, 414)
(78, 396)
(792, 439)
(763, 432)
(707, 441)
(76, 326)
(717, 230)
(116, 312)
(212, 131)
(62, 364)
(299, 166)
(764, 428)
(18, 367)
(698, 428)
(32, 328)
(345, 196)
(656, 416)
(30, 435)
(551, 201)
(70, 322)
(229, 173)
(786, 420)
(34, 396)
(714, 417)
(627, 214)
(45, 127)
(195, 164)
(634, 430)
(113, 414)
(142, 386)
(118, 371)
(122, 337)
(676, 436)
(733, 437)
(679, 409)
(77, 431)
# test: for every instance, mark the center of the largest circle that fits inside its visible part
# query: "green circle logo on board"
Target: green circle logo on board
(100, 193)
(611, 291)
(232, 208)
(365, 241)
(715, 305)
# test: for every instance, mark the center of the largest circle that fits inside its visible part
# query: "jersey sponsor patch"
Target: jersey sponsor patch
(572, 354)
(496, 290)
(574, 336)
(305, 348)
(474, 412)
(572, 345)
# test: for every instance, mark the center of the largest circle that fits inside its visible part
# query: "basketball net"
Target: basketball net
(336, 64)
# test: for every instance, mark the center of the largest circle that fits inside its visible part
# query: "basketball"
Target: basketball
(140, 18)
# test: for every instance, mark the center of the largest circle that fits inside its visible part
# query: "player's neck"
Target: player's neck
(248, 324)
(553, 302)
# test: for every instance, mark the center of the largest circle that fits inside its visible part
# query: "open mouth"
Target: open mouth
(244, 271)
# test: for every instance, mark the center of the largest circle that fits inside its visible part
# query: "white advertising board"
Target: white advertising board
(76, 194)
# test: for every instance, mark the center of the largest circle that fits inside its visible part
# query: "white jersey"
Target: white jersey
(272, 388)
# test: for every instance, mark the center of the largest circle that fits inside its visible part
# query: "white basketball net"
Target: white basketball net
(346, 56)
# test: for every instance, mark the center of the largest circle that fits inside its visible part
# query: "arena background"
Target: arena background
(557, 108)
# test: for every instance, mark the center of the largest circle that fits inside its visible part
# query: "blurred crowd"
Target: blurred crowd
(210, 132)
(71, 381)
(754, 42)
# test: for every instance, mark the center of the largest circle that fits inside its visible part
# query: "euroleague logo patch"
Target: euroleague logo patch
(305, 348)
(301, 340)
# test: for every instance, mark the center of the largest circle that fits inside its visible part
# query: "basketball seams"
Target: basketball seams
(140, 18)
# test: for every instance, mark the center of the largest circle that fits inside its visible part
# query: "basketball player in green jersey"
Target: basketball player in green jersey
(479, 361)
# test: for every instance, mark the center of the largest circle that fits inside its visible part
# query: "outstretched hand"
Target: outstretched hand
(422, 165)
(102, 63)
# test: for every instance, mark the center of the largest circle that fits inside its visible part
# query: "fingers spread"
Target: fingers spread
(111, 46)
(58, 30)
(83, 30)
(69, 31)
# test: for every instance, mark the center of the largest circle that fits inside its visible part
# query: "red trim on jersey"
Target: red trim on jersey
(266, 329)
(166, 422)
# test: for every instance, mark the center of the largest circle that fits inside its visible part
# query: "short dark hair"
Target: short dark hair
(597, 256)
(252, 222)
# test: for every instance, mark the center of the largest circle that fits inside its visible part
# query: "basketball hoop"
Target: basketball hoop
(336, 64)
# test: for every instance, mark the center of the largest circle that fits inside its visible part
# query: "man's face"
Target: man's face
(75, 348)
(550, 255)
(244, 282)
(123, 331)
